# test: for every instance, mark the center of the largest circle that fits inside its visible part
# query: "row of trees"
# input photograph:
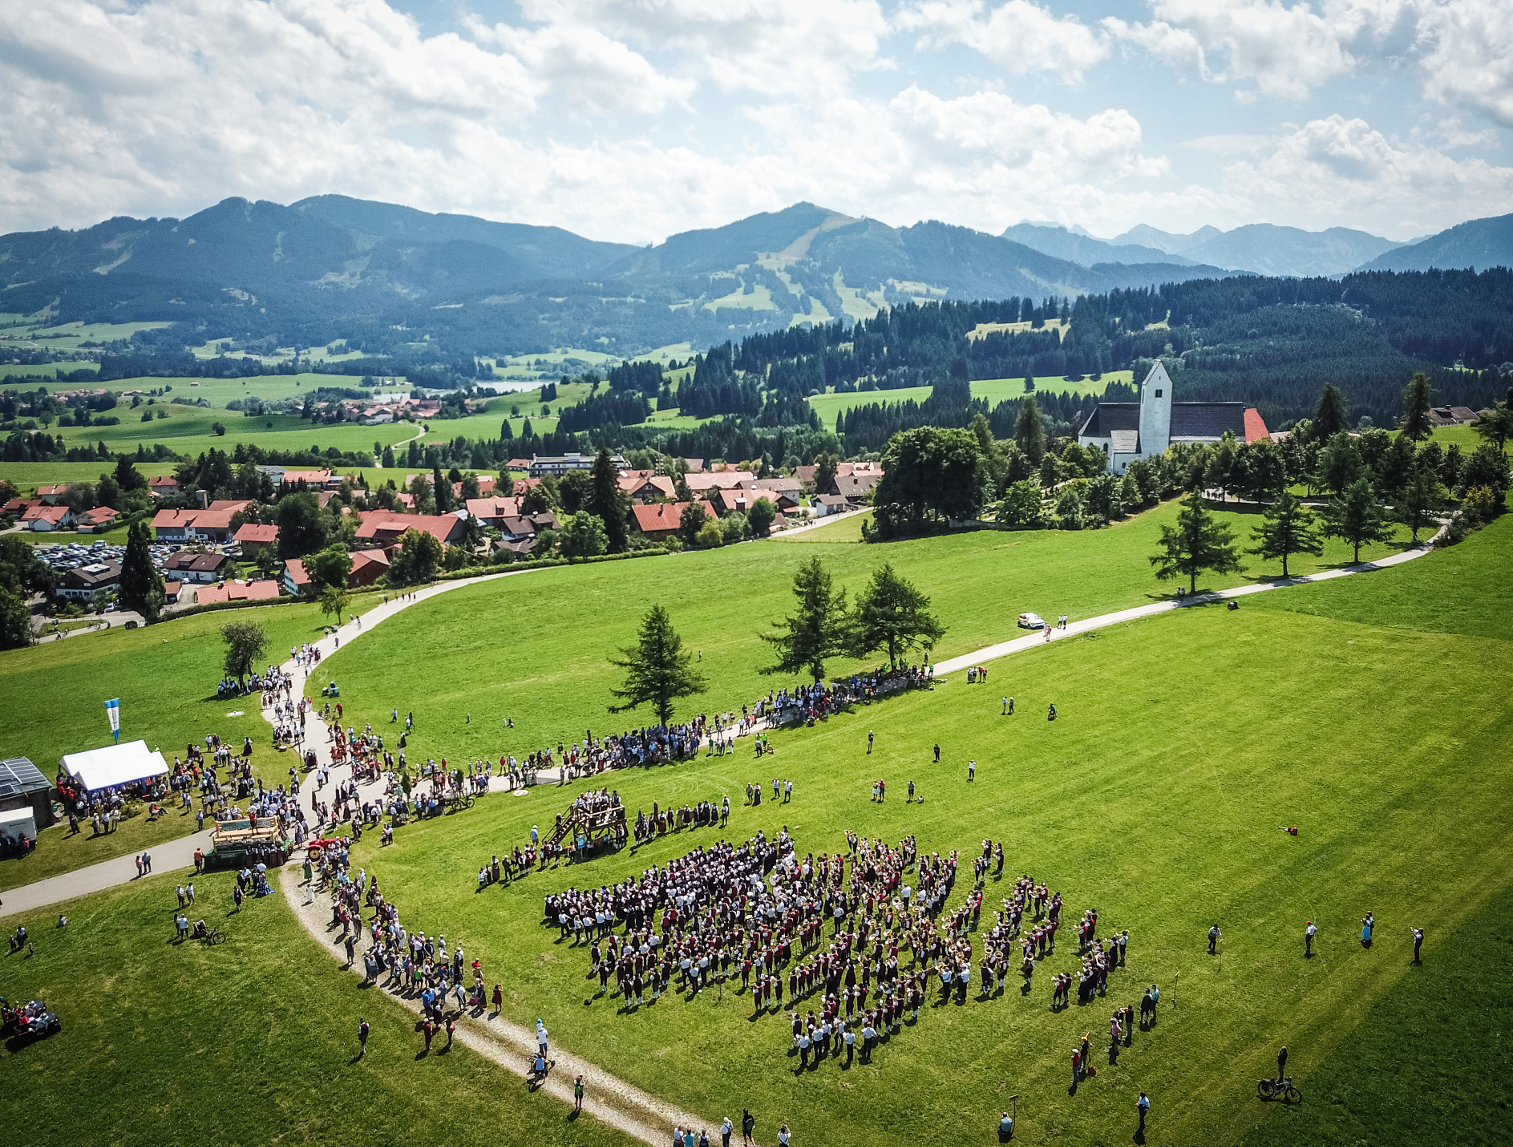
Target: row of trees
(889, 615)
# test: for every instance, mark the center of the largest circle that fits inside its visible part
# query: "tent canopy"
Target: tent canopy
(114, 765)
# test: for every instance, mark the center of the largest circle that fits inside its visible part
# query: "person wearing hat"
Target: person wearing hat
(1308, 934)
(726, 1128)
(541, 1036)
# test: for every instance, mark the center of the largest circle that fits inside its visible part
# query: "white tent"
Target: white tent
(114, 765)
(18, 822)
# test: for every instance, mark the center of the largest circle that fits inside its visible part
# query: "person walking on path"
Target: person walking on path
(578, 1094)
(1308, 934)
(1418, 942)
(1144, 1106)
(362, 1038)
(726, 1128)
(748, 1127)
(1214, 936)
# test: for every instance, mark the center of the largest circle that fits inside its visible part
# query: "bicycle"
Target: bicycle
(1282, 1089)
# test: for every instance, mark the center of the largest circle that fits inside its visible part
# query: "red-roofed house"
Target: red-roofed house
(19, 506)
(98, 520)
(646, 487)
(719, 480)
(296, 580)
(313, 479)
(1255, 427)
(254, 538)
(237, 591)
(492, 511)
(367, 567)
(44, 519)
(162, 485)
(192, 525)
(51, 494)
(661, 520)
(384, 528)
(233, 506)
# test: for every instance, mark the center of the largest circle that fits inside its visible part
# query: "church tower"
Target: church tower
(1155, 412)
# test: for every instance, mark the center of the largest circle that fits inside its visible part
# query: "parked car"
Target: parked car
(1031, 621)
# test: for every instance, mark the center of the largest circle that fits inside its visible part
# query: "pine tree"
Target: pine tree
(141, 586)
(817, 631)
(1416, 402)
(1332, 414)
(1199, 542)
(441, 490)
(1287, 527)
(1356, 517)
(1029, 431)
(606, 502)
(891, 614)
(658, 670)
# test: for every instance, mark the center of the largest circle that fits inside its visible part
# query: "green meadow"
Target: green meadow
(252, 1041)
(1185, 744)
(534, 648)
(994, 390)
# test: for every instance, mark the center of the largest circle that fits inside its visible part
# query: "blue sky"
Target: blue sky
(634, 119)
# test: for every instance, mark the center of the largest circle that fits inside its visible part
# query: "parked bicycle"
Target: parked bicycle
(1282, 1089)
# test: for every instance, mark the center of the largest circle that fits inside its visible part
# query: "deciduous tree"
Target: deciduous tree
(418, 559)
(245, 642)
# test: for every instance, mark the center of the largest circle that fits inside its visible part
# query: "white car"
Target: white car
(1031, 621)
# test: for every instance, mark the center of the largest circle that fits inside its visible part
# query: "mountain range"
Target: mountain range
(383, 276)
(1260, 248)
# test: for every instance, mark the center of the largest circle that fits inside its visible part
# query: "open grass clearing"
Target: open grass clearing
(191, 430)
(1184, 742)
(253, 1040)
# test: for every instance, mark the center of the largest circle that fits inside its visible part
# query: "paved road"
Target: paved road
(1038, 637)
(166, 857)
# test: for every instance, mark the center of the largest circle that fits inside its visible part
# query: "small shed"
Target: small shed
(114, 765)
(22, 786)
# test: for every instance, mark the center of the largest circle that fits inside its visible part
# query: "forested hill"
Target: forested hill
(1269, 342)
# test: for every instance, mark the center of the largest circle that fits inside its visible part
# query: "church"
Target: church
(1129, 430)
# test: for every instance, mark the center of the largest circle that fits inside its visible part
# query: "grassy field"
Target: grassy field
(190, 430)
(240, 1043)
(995, 390)
(560, 626)
(165, 676)
(1184, 742)
(27, 476)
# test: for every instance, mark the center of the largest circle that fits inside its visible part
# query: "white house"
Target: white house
(1129, 430)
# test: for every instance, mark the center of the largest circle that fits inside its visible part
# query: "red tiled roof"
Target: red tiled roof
(256, 533)
(98, 515)
(488, 509)
(54, 514)
(52, 491)
(661, 516)
(199, 519)
(197, 563)
(237, 591)
(233, 506)
(163, 481)
(1255, 428)
(722, 479)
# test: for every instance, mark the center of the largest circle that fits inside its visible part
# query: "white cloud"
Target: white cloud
(1176, 47)
(1337, 170)
(1468, 55)
(1018, 35)
(780, 47)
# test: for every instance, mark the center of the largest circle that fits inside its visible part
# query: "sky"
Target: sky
(631, 120)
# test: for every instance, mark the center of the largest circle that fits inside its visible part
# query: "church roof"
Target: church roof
(1207, 421)
(1108, 417)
